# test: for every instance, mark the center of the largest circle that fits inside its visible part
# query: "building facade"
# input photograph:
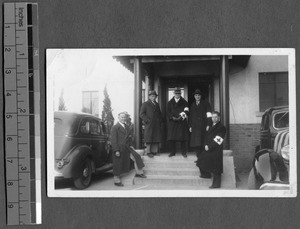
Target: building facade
(240, 87)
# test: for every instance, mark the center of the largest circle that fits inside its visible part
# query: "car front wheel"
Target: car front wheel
(85, 177)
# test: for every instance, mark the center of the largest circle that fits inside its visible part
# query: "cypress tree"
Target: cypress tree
(107, 116)
(62, 105)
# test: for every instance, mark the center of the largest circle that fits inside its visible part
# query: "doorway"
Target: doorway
(205, 87)
(188, 86)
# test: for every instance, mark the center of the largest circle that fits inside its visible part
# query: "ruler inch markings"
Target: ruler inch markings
(22, 195)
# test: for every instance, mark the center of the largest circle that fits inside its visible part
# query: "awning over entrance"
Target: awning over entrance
(151, 69)
(167, 65)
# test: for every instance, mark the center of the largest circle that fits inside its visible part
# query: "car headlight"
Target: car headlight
(62, 163)
(285, 152)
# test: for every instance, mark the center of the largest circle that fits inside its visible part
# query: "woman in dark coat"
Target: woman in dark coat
(199, 121)
(177, 110)
(211, 159)
(123, 150)
(151, 115)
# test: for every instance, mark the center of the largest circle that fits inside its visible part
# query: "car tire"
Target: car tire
(85, 177)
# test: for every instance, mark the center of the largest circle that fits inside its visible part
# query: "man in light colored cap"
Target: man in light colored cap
(151, 115)
(177, 111)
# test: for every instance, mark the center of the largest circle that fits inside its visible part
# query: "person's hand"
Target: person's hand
(117, 153)
(190, 129)
(207, 128)
(206, 148)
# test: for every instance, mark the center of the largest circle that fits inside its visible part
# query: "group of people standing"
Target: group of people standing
(195, 124)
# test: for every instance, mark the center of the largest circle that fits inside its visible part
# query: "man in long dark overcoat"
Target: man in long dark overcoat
(123, 151)
(177, 110)
(211, 159)
(199, 121)
(150, 113)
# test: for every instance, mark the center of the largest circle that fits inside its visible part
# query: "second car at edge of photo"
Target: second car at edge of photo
(270, 169)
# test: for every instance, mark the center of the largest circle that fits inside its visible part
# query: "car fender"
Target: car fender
(261, 170)
(75, 158)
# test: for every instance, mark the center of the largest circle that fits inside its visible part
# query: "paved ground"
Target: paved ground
(242, 180)
(105, 182)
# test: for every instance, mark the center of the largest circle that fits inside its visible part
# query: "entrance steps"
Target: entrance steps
(182, 173)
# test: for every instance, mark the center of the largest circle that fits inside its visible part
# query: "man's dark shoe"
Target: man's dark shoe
(119, 184)
(171, 154)
(140, 175)
(214, 186)
(150, 155)
(216, 181)
(184, 155)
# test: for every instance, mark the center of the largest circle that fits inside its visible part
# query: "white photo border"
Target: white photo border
(292, 192)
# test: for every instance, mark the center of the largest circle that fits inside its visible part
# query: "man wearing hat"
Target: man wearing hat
(151, 115)
(177, 110)
(199, 121)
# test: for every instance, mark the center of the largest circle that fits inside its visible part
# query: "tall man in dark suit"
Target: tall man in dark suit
(123, 150)
(151, 115)
(177, 110)
(199, 121)
(211, 159)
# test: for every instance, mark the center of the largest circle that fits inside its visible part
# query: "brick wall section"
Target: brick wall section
(243, 140)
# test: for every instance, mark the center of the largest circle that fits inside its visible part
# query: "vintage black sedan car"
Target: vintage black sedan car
(81, 147)
(270, 168)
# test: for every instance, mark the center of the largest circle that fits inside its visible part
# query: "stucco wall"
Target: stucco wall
(244, 88)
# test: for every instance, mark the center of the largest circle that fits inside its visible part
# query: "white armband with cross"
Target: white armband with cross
(218, 140)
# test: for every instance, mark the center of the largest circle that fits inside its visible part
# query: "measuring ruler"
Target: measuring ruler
(22, 114)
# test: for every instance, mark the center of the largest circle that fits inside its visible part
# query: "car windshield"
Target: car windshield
(281, 120)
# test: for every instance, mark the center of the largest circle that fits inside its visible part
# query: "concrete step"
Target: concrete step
(173, 180)
(182, 173)
(164, 157)
(171, 165)
(172, 171)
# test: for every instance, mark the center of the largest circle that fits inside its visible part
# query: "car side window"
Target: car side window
(95, 128)
(281, 120)
(85, 126)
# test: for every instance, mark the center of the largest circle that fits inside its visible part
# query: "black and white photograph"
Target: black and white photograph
(171, 122)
